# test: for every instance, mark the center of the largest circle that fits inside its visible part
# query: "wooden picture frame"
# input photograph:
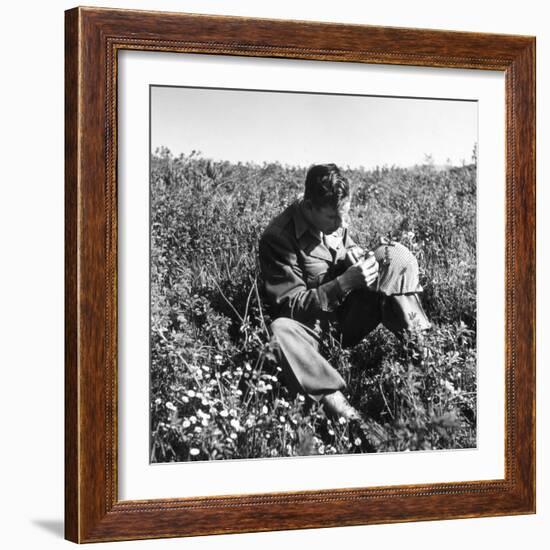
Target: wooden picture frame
(93, 511)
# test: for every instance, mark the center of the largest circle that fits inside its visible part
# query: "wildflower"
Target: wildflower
(233, 436)
(186, 423)
(235, 423)
(268, 387)
(185, 399)
(170, 406)
(301, 398)
(282, 419)
(197, 429)
(342, 420)
(194, 452)
(191, 393)
(449, 386)
(204, 402)
(218, 359)
(204, 422)
(238, 392)
(193, 419)
(158, 401)
(224, 413)
(247, 366)
(264, 410)
(232, 412)
(357, 441)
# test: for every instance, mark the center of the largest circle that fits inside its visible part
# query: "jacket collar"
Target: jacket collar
(309, 238)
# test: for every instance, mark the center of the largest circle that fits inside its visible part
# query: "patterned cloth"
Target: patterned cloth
(398, 270)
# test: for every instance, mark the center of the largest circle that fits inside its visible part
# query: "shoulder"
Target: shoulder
(281, 228)
(278, 241)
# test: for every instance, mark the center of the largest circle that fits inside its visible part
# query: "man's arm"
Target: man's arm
(285, 283)
(362, 268)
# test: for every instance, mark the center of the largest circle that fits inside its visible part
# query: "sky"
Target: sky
(302, 128)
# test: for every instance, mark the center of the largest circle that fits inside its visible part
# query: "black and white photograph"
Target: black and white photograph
(312, 274)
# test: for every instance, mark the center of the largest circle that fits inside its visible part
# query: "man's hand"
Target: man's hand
(363, 274)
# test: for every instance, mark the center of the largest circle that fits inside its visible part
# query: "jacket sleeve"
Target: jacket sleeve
(285, 282)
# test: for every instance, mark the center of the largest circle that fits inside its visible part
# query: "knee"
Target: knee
(281, 326)
(395, 254)
(399, 273)
(286, 331)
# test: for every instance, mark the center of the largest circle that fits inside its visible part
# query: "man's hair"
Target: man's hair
(326, 186)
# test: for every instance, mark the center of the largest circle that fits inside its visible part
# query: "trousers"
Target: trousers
(304, 367)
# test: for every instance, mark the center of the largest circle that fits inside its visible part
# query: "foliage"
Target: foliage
(216, 389)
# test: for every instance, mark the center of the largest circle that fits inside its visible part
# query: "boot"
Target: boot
(369, 432)
(337, 405)
(405, 312)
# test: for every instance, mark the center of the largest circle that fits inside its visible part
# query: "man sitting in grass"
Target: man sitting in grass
(315, 276)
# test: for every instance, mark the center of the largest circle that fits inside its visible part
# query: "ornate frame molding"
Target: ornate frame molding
(93, 38)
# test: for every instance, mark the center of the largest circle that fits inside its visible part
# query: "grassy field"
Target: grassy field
(215, 390)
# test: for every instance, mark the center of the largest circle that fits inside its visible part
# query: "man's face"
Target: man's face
(328, 219)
